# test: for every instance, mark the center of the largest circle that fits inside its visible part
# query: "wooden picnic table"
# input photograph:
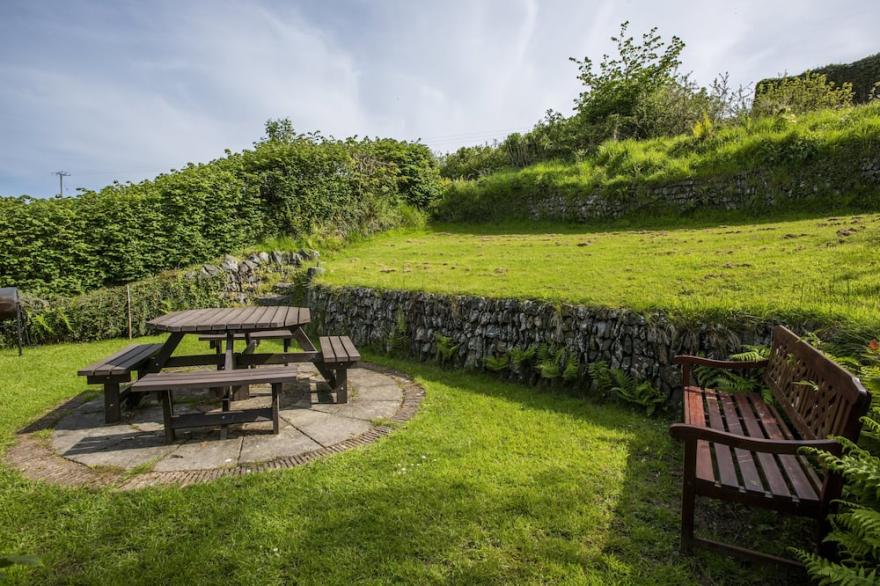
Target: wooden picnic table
(230, 382)
(232, 321)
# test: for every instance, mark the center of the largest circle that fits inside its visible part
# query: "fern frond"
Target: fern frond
(827, 573)
(752, 354)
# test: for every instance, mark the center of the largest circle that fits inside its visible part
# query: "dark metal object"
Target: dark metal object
(739, 448)
(10, 308)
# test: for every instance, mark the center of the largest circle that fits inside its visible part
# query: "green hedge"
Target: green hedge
(862, 74)
(280, 187)
(818, 155)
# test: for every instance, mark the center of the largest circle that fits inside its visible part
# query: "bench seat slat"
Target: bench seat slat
(327, 349)
(744, 458)
(723, 455)
(791, 465)
(121, 362)
(769, 466)
(213, 378)
(695, 415)
(352, 352)
(338, 349)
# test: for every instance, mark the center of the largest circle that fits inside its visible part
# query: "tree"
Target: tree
(609, 105)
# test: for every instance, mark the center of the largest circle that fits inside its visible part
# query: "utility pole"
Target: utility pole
(61, 176)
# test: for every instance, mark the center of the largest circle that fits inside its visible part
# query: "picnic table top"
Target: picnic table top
(234, 319)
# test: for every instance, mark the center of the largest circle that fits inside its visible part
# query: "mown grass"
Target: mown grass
(820, 269)
(491, 482)
(818, 153)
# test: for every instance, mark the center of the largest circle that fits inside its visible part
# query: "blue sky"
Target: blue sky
(119, 90)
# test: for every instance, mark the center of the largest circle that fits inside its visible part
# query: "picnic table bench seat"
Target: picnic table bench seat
(740, 448)
(115, 370)
(167, 383)
(338, 353)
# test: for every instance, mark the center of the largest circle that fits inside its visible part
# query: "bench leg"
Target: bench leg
(167, 415)
(227, 398)
(688, 497)
(132, 400)
(342, 385)
(328, 374)
(112, 409)
(276, 404)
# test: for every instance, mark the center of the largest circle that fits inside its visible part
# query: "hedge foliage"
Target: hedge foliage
(863, 74)
(288, 185)
(819, 155)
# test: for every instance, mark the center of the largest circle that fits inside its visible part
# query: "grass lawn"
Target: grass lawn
(821, 267)
(491, 482)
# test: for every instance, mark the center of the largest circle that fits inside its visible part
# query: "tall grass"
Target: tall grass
(820, 153)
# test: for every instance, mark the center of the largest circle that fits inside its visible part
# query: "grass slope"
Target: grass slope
(822, 268)
(491, 482)
(819, 153)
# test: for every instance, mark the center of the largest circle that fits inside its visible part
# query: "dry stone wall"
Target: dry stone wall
(750, 190)
(642, 345)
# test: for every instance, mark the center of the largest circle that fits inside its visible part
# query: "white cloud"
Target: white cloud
(127, 90)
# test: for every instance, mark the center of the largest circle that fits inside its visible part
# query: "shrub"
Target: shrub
(473, 162)
(799, 95)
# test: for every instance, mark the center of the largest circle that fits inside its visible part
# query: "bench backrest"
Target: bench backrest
(818, 396)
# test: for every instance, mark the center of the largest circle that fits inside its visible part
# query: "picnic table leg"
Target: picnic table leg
(276, 400)
(167, 414)
(112, 410)
(342, 385)
(228, 392)
(238, 393)
(165, 353)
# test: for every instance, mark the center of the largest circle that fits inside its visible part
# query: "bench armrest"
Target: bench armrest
(687, 362)
(692, 433)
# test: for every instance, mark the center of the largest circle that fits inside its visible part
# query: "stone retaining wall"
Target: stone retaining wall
(750, 190)
(643, 345)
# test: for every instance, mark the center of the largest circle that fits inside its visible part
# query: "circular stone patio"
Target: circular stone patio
(72, 445)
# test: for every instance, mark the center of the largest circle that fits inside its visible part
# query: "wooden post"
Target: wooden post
(128, 308)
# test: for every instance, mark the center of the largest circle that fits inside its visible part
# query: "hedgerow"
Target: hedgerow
(288, 184)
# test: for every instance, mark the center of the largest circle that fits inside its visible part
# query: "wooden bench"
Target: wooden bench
(215, 341)
(114, 371)
(337, 355)
(739, 448)
(167, 383)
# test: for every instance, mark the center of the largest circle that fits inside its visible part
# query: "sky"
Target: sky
(124, 90)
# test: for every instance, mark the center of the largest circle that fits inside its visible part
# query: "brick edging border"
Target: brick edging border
(36, 461)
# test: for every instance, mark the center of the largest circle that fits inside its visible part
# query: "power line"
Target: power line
(61, 176)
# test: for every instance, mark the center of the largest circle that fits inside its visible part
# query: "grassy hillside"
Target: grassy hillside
(819, 152)
(823, 268)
